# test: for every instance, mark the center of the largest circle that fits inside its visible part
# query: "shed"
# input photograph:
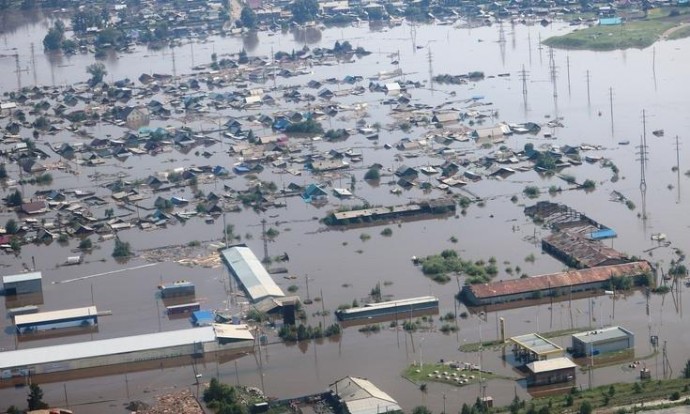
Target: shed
(601, 341)
(22, 283)
(552, 371)
(203, 318)
(361, 396)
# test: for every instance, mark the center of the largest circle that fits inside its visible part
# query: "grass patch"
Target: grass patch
(435, 373)
(623, 394)
(637, 34)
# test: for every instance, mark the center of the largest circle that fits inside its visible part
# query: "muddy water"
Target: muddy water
(340, 266)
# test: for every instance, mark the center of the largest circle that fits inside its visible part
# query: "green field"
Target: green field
(429, 373)
(637, 34)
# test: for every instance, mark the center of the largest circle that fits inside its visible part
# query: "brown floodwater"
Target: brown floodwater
(341, 265)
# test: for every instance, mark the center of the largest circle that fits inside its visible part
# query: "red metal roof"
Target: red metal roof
(557, 280)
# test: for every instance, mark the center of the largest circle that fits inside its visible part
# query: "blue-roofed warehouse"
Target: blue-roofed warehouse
(250, 273)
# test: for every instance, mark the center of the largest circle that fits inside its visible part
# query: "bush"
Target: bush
(675, 396)
(531, 191)
(85, 244)
(122, 249)
(373, 174)
(387, 232)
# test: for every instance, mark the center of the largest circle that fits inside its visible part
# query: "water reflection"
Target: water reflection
(306, 35)
(250, 41)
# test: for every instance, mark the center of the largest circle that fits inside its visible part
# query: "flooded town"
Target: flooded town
(344, 206)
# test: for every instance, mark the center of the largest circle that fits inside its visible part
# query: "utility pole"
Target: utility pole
(523, 78)
(18, 70)
(678, 167)
(611, 107)
(643, 164)
(33, 63)
(589, 101)
(567, 62)
(431, 68)
(265, 240)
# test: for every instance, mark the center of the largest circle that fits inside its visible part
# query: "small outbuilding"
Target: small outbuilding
(551, 371)
(22, 284)
(360, 396)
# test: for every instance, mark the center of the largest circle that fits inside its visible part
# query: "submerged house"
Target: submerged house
(313, 193)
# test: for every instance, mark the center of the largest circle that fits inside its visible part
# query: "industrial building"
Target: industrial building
(360, 396)
(46, 321)
(578, 251)
(21, 284)
(194, 342)
(395, 309)
(555, 285)
(601, 341)
(177, 289)
(551, 371)
(534, 347)
(250, 273)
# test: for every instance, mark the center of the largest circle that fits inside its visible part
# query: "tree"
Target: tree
(372, 174)
(585, 408)
(3, 171)
(97, 72)
(14, 199)
(420, 409)
(304, 10)
(35, 399)
(122, 249)
(686, 370)
(11, 226)
(248, 17)
(56, 35)
(85, 244)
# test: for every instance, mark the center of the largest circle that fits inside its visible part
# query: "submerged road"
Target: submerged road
(76, 279)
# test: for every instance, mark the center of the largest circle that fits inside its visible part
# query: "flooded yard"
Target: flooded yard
(346, 264)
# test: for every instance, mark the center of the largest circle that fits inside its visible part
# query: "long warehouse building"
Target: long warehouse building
(250, 273)
(194, 342)
(46, 321)
(555, 284)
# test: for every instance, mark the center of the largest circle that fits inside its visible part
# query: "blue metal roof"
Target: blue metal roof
(602, 234)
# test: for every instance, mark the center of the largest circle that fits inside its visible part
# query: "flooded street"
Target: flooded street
(341, 265)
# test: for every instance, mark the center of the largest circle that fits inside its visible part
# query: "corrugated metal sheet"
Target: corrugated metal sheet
(55, 315)
(90, 349)
(550, 365)
(587, 253)
(21, 277)
(536, 343)
(601, 335)
(251, 273)
(558, 280)
(363, 397)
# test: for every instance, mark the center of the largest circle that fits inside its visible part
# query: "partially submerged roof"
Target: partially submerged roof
(44, 317)
(361, 396)
(548, 365)
(603, 335)
(91, 349)
(558, 280)
(536, 344)
(24, 277)
(247, 268)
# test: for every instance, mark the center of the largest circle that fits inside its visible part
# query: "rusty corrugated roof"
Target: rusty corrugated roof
(558, 280)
